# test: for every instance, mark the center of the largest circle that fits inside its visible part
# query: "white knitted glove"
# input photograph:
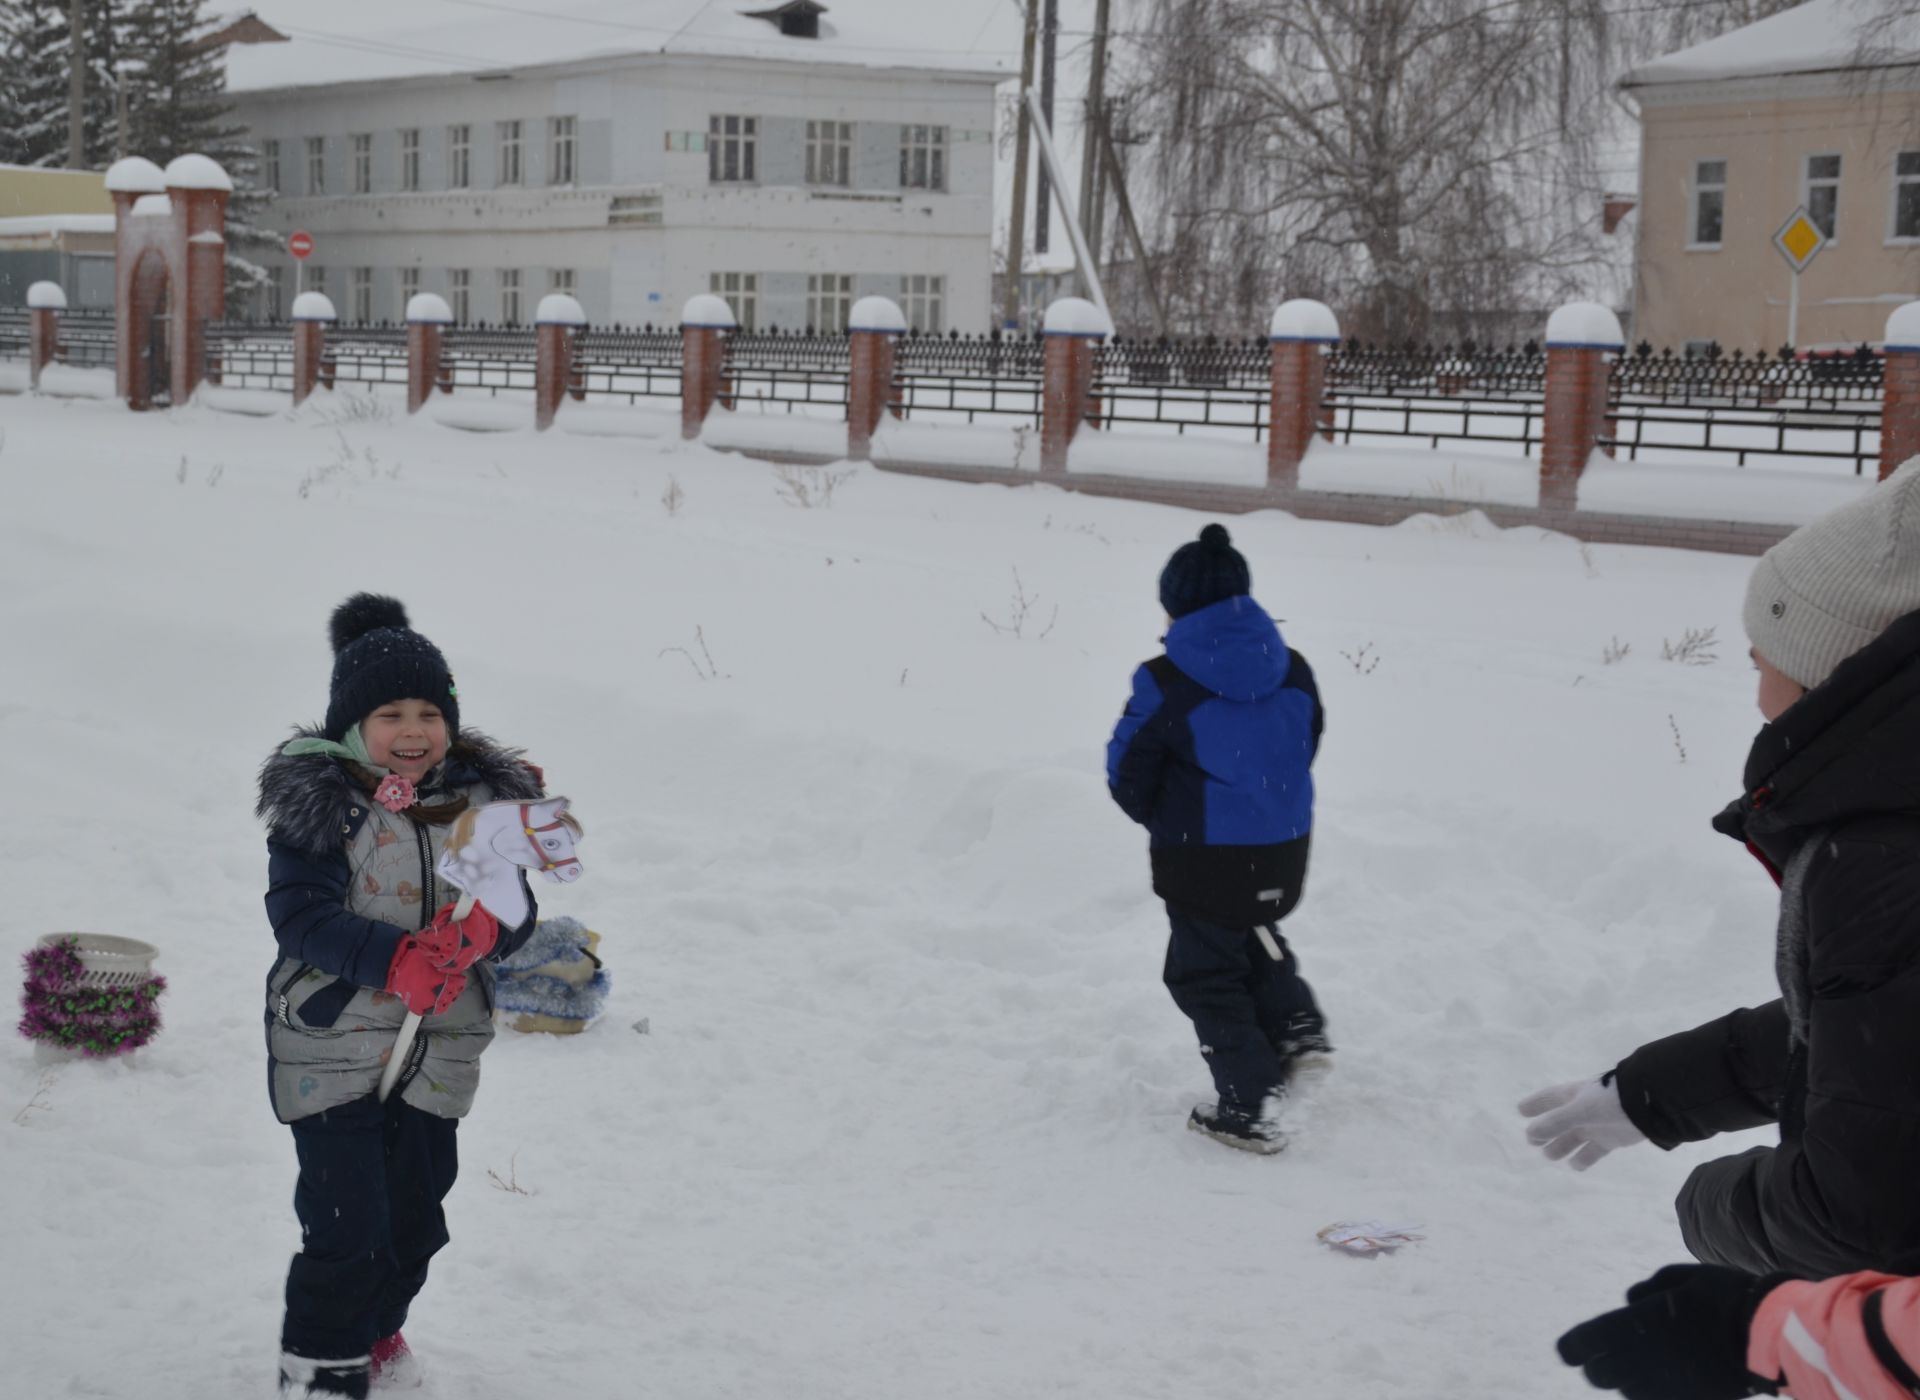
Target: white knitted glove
(1583, 1119)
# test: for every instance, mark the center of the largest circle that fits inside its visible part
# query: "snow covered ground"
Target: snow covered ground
(908, 1116)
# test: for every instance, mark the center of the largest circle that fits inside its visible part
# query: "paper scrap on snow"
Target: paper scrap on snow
(1369, 1237)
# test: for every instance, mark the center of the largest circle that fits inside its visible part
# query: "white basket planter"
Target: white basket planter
(107, 960)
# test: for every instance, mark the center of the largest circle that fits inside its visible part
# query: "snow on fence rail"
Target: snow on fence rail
(86, 336)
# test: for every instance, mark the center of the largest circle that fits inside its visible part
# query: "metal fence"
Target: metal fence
(86, 336)
(259, 355)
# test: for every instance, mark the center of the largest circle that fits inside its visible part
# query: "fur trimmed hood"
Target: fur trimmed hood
(304, 799)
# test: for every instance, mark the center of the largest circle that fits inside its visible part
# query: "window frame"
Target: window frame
(409, 288)
(741, 145)
(930, 294)
(563, 150)
(360, 296)
(829, 290)
(563, 281)
(1895, 238)
(410, 159)
(460, 294)
(931, 144)
(1695, 189)
(1808, 182)
(270, 164)
(362, 162)
(316, 162)
(513, 310)
(460, 155)
(511, 153)
(742, 297)
(829, 143)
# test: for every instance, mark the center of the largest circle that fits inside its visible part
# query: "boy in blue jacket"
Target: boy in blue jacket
(1213, 756)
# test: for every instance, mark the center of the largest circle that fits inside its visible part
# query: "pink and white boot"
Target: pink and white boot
(395, 1367)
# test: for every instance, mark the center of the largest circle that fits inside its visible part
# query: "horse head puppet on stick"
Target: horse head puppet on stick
(484, 854)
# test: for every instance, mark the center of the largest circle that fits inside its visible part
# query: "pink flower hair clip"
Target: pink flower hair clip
(395, 793)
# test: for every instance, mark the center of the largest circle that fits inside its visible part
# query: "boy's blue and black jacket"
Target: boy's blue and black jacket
(1213, 757)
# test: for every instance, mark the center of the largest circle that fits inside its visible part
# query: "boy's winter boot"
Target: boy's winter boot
(1304, 1047)
(395, 1367)
(305, 1378)
(1237, 1127)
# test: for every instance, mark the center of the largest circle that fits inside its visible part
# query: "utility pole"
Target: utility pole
(1017, 229)
(77, 85)
(1043, 209)
(1119, 178)
(1092, 198)
(120, 113)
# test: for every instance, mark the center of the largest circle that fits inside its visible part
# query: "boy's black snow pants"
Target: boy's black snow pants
(372, 1177)
(1244, 1003)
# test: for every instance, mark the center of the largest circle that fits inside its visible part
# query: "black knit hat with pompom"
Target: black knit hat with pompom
(1206, 571)
(377, 659)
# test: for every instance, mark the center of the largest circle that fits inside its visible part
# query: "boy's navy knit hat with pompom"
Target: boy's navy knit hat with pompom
(377, 659)
(1206, 571)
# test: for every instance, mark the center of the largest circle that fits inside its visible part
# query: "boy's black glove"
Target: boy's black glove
(1682, 1336)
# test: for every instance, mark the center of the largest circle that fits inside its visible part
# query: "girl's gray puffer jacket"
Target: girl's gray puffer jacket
(346, 881)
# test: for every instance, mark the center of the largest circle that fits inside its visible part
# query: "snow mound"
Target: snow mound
(313, 306)
(135, 175)
(1903, 327)
(1302, 319)
(559, 309)
(705, 311)
(46, 296)
(196, 172)
(428, 309)
(877, 314)
(1076, 316)
(1585, 325)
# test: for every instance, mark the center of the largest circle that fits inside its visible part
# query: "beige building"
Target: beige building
(1803, 110)
(56, 226)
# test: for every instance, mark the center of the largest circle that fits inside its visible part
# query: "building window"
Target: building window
(829, 153)
(270, 165)
(409, 288)
(363, 165)
(509, 296)
(459, 157)
(1906, 195)
(511, 172)
(1709, 202)
(316, 165)
(563, 168)
(460, 294)
(741, 292)
(562, 281)
(731, 143)
(1823, 192)
(315, 280)
(410, 159)
(829, 301)
(923, 157)
(362, 296)
(271, 298)
(923, 299)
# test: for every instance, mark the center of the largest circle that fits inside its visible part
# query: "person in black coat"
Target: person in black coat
(1212, 756)
(1831, 807)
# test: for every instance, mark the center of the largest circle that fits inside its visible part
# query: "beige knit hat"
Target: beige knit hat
(1835, 584)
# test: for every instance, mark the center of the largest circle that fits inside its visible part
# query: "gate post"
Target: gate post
(557, 321)
(1583, 340)
(1072, 331)
(1303, 333)
(426, 314)
(312, 313)
(704, 321)
(871, 329)
(1900, 392)
(45, 302)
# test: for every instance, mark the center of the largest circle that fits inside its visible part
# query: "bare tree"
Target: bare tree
(1425, 163)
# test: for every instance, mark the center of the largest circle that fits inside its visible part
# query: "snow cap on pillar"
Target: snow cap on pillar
(1309, 322)
(707, 312)
(1903, 327)
(153, 206)
(46, 296)
(135, 175)
(559, 309)
(1076, 316)
(877, 314)
(195, 172)
(313, 306)
(428, 309)
(1584, 325)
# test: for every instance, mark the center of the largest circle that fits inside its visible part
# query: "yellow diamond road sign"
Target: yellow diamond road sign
(1799, 239)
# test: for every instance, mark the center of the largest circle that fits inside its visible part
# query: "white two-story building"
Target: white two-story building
(792, 159)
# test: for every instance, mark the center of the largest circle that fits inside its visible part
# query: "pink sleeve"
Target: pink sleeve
(1814, 1336)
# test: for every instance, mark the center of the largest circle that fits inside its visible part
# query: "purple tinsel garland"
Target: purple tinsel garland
(62, 1010)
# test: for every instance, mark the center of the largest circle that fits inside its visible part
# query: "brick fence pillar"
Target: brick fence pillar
(1900, 395)
(312, 313)
(871, 329)
(427, 314)
(45, 302)
(1072, 331)
(559, 319)
(1583, 341)
(704, 323)
(1303, 333)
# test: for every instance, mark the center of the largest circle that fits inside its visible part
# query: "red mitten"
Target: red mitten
(458, 946)
(416, 978)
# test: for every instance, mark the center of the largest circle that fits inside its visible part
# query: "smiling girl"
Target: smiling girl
(357, 815)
